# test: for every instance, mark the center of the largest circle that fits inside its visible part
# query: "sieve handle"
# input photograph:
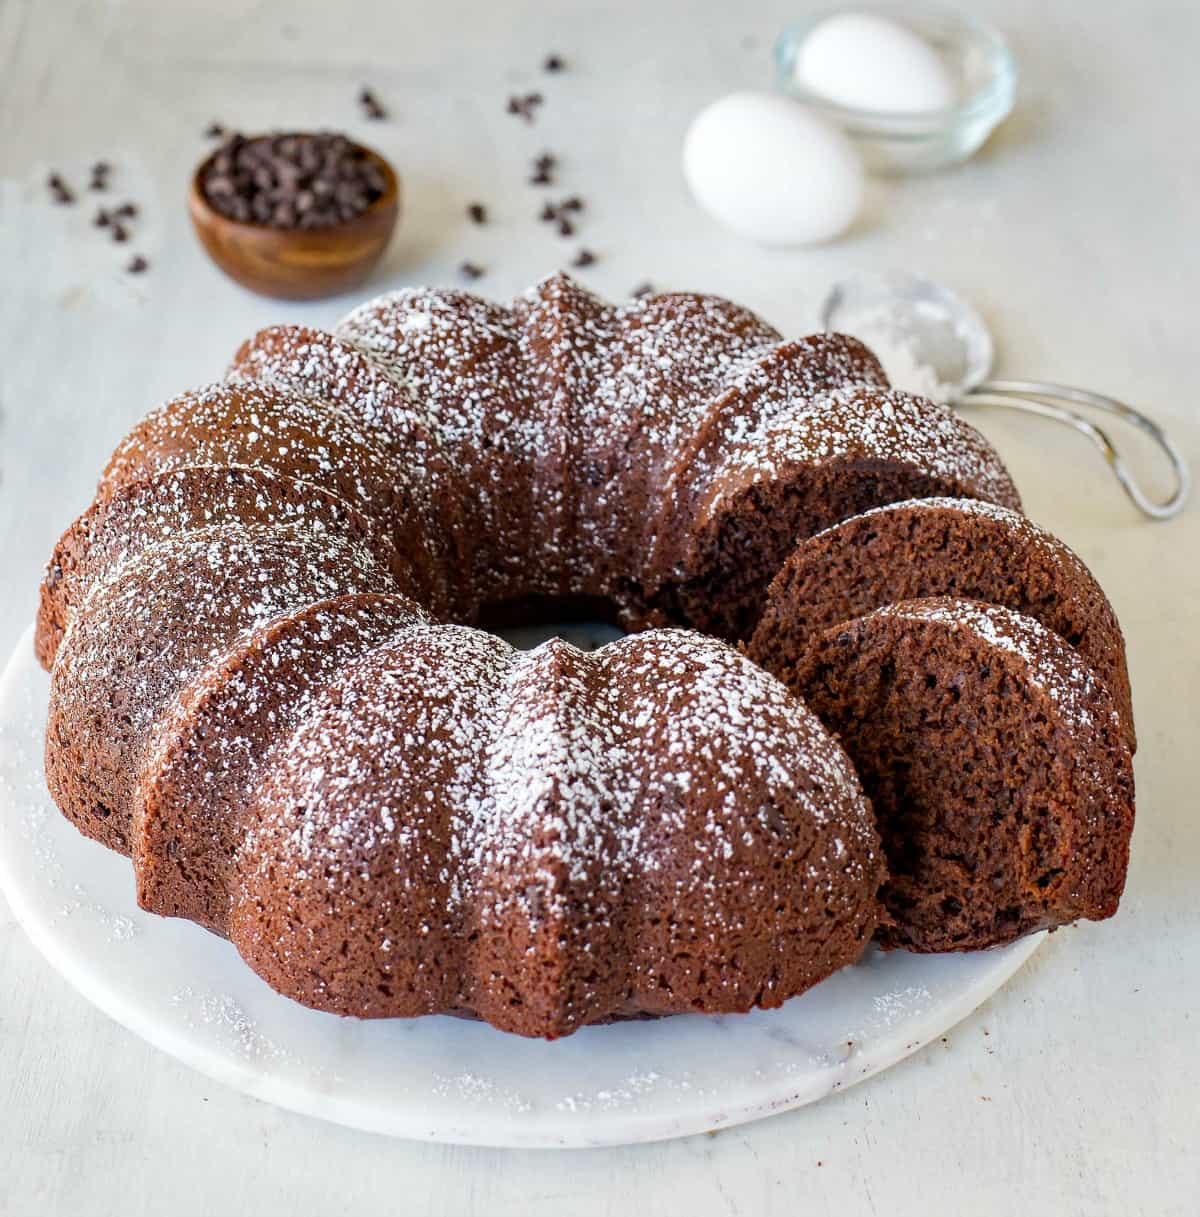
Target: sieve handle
(1053, 401)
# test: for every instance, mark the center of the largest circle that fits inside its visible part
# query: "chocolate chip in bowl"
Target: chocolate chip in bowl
(295, 215)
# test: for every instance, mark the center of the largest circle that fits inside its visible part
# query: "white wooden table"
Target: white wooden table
(1074, 1091)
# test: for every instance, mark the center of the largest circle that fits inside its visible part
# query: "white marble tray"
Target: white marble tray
(442, 1079)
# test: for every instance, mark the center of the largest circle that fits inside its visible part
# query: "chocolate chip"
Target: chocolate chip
(541, 177)
(477, 213)
(101, 169)
(574, 203)
(521, 107)
(545, 163)
(549, 212)
(138, 265)
(127, 211)
(59, 189)
(553, 63)
(370, 104)
(119, 232)
(469, 270)
(214, 131)
(565, 227)
(642, 290)
(524, 106)
(102, 219)
(297, 180)
(584, 257)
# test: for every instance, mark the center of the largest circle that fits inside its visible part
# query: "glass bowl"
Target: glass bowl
(898, 143)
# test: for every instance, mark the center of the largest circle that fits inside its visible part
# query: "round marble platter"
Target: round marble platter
(443, 1079)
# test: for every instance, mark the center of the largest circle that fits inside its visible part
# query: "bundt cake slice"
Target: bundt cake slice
(995, 760)
(792, 466)
(460, 355)
(144, 631)
(210, 751)
(250, 426)
(548, 839)
(322, 369)
(167, 506)
(755, 849)
(963, 548)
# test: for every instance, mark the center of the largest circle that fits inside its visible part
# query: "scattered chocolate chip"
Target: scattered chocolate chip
(102, 219)
(370, 104)
(574, 203)
(100, 172)
(469, 270)
(642, 290)
(541, 177)
(584, 257)
(519, 106)
(119, 232)
(214, 131)
(565, 227)
(127, 211)
(298, 180)
(138, 265)
(546, 162)
(553, 63)
(59, 189)
(524, 106)
(549, 212)
(477, 213)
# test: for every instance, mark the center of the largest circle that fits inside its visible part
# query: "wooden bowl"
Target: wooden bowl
(298, 263)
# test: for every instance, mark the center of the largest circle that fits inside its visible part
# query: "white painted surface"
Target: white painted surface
(1074, 231)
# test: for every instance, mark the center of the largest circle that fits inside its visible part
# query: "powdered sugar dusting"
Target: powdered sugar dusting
(432, 784)
(1052, 665)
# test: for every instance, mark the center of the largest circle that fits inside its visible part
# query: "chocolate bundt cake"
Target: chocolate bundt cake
(266, 688)
(996, 762)
(963, 548)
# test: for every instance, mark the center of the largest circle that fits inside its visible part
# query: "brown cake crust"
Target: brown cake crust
(149, 629)
(166, 506)
(940, 547)
(252, 694)
(995, 760)
(210, 750)
(585, 836)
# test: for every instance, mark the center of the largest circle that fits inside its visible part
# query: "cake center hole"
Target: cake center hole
(585, 622)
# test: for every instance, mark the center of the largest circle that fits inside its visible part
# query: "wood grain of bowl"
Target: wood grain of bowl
(298, 263)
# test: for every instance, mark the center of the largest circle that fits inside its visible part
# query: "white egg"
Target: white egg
(868, 62)
(772, 170)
